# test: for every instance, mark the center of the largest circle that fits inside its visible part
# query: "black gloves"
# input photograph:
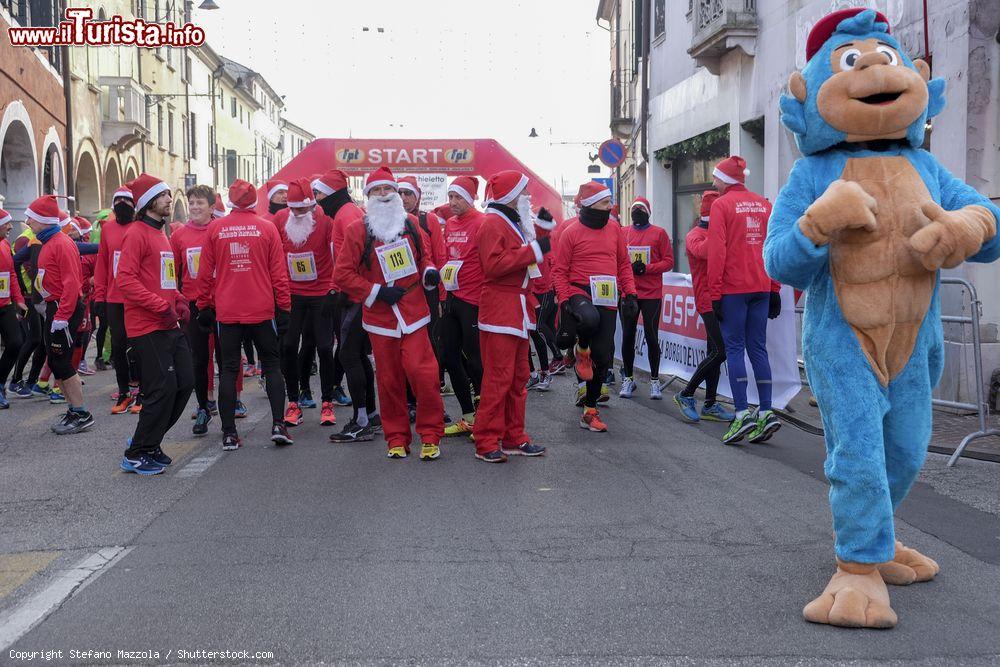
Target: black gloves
(329, 304)
(717, 309)
(543, 214)
(100, 310)
(630, 306)
(432, 279)
(206, 319)
(281, 321)
(390, 295)
(545, 243)
(638, 268)
(774, 307)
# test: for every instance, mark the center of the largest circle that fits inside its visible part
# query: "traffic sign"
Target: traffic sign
(612, 153)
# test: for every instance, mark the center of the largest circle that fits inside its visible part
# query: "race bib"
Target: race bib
(639, 253)
(114, 268)
(397, 260)
(301, 267)
(168, 271)
(534, 272)
(193, 256)
(5, 285)
(39, 282)
(449, 274)
(604, 290)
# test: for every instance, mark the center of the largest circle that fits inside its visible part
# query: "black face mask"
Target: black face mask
(593, 218)
(124, 212)
(273, 207)
(640, 218)
(333, 203)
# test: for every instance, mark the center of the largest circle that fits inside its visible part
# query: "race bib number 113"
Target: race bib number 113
(396, 260)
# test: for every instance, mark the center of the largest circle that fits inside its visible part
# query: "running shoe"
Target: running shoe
(584, 367)
(375, 422)
(122, 405)
(136, 406)
(461, 427)
(739, 428)
(39, 391)
(429, 452)
(201, 422)
(83, 368)
(18, 390)
(353, 432)
(160, 457)
(340, 398)
(717, 413)
(581, 395)
(446, 389)
(241, 411)
(605, 394)
(231, 442)
(767, 425)
(213, 408)
(398, 453)
(544, 383)
(688, 407)
(524, 449)
(3, 400)
(306, 400)
(141, 465)
(610, 377)
(496, 456)
(628, 388)
(293, 415)
(56, 397)
(655, 390)
(249, 370)
(591, 421)
(279, 435)
(532, 381)
(557, 367)
(73, 422)
(326, 416)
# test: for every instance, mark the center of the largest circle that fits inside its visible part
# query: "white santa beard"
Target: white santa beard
(299, 227)
(385, 219)
(527, 219)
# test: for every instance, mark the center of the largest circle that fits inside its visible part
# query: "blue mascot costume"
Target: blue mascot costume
(863, 225)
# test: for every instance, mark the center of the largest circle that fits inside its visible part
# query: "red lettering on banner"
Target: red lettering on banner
(680, 313)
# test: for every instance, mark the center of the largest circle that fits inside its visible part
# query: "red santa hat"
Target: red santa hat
(274, 186)
(708, 197)
(410, 183)
(330, 182)
(45, 210)
(81, 225)
(505, 186)
(466, 187)
(145, 189)
(592, 192)
(219, 210)
(5, 217)
(732, 170)
(300, 194)
(122, 192)
(643, 203)
(443, 211)
(242, 194)
(381, 176)
(64, 219)
(826, 26)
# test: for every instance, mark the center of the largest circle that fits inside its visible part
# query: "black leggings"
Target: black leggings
(353, 353)
(198, 344)
(12, 338)
(126, 368)
(650, 311)
(708, 369)
(594, 328)
(546, 316)
(59, 345)
(459, 335)
(307, 316)
(167, 381)
(265, 339)
(32, 348)
(100, 326)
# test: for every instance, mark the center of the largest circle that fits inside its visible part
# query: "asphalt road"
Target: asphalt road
(653, 543)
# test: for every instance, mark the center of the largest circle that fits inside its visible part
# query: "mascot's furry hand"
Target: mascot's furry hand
(844, 205)
(951, 237)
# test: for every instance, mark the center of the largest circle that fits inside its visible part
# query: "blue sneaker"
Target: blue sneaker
(340, 398)
(524, 449)
(56, 397)
(18, 390)
(142, 465)
(38, 391)
(213, 407)
(306, 400)
(241, 410)
(160, 458)
(716, 413)
(688, 406)
(3, 400)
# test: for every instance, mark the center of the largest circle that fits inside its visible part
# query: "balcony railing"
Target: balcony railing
(123, 112)
(721, 26)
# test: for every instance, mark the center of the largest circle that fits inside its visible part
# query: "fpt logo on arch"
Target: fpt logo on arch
(459, 156)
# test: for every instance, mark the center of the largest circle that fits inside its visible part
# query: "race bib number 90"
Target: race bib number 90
(168, 271)
(5, 285)
(449, 274)
(639, 253)
(604, 290)
(397, 260)
(301, 267)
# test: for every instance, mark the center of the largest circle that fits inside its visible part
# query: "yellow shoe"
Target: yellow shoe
(398, 453)
(605, 394)
(461, 427)
(429, 452)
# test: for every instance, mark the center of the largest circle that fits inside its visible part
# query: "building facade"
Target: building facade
(293, 140)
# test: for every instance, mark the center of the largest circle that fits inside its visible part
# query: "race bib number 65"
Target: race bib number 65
(301, 266)
(604, 290)
(396, 260)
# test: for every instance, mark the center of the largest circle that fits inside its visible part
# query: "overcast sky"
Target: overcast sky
(441, 69)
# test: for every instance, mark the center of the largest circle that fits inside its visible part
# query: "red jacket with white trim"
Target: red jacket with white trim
(361, 280)
(310, 265)
(147, 276)
(505, 258)
(661, 258)
(736, 231)
(584, 252)
(696, 248)
(187, 242)
(60, 277)
(10, 289)
(108, 257)
(461, 236)
(243, 274)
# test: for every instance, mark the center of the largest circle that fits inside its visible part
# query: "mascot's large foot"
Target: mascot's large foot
(909, 566)
(856, 597)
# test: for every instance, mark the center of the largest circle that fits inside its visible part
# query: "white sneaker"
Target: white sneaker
(628, 388)
(544, 383)
(655, 391)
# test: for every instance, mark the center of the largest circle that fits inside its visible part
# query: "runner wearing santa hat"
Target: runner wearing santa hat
(462, 277)
(385, 262)
(12, 306)
(109, 299)
(651, 254)
(59, 282)
(696, 247)
(593, 273)
(306, 238)
(277, 197)
(155, 311)
(243, 288)
(334, 198)
(509, 254)
(743, 296)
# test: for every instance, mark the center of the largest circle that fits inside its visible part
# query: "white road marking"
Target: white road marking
(199, 465)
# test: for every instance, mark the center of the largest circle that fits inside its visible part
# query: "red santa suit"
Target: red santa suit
(398, 332)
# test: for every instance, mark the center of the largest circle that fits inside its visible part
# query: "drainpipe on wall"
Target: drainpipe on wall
(68, 94)
(645, 77)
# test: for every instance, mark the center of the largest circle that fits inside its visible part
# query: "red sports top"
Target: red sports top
(584, 252)
(187, 242)
(147, 276)
(60, 277)
(736, 231)
(461, 238)
(696, 248)
(10, 289)
(310, 265)
(108, 258)
(655, 242)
